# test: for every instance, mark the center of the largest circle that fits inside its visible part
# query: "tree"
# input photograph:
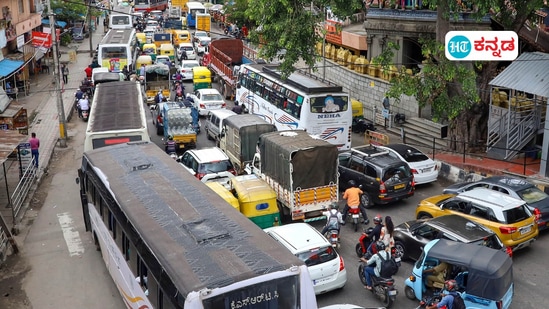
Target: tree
(458, 91)
(69, 10)
(289, 27)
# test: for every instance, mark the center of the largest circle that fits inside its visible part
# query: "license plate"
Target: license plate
(393, 292)
(400, 186)
(525, 230)
(355, 217)
(397, 259)
(318, 281)
(426, 170)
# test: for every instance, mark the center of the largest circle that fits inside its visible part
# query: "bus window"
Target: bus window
(329, 104)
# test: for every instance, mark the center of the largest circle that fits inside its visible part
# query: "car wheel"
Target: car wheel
(366, 200)
(209, 136)
(400, 249)
(423, 215)
(409, 292)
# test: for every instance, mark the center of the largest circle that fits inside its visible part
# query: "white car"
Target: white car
(186, 68)
(206, 100)
(202, 45)
(425, 170)
(186, 48)
(198, 35)
(325, 266)
(208, 165)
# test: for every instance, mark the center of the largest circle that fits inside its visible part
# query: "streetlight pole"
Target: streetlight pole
(60, 108)
(90, 30)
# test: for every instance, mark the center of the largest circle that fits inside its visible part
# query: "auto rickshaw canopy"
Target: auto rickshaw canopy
(490, 272)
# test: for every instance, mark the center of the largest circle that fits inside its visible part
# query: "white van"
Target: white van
(120, 21)
(214, 123)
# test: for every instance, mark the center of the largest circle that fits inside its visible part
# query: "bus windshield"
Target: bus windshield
(329, 104)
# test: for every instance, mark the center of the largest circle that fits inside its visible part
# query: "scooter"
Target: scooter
(361, 248)
(333, 237)
(355, 216)
(383, 288)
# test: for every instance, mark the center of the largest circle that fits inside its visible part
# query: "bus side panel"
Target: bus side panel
(131, 292)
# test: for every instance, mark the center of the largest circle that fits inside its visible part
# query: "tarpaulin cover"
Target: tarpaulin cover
(248, 127)
(58, 23)
(313, 161)
(8, 66)
(490, 271)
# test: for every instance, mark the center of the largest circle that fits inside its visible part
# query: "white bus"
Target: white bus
(301, 102)
(117, 115)
(192, 8)
(169, 241)
(118, 49)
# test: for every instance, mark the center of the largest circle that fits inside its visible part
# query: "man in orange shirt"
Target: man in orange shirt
(352, 195)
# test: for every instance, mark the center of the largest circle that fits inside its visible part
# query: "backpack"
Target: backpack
(333, 221)
(458, 302)
(157, 98)
(389, 267)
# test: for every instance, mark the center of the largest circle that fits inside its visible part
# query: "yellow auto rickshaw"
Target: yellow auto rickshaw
(181, 36)
(142, 39)
(202, 78)
(141, 60)
(167, 50)
(224, 193)
(150, 49)
(257, 200)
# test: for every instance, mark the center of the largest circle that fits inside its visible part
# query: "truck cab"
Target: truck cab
(254, 168)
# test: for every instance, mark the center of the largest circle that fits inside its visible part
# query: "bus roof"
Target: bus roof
(200, 240)
(308, 83)
(118, 36)
(112, 107)
(194, 5)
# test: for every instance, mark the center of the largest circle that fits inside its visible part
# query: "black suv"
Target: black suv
(382, 177)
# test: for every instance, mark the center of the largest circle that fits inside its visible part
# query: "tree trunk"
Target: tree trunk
(443, 22)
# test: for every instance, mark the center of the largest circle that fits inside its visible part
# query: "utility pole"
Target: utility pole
(90, 30)
(60, 108)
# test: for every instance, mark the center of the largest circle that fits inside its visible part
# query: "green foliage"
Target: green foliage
(68, 10)
(237, 12)
(287, 29)
(65, 39)
(430, 86)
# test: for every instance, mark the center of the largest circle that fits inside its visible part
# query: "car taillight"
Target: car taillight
(202, 106)
(414, 171)
(200, 175)
(341, 264)
(436, 167)
(232, 171)
(382, 188)
(224, 104)
(507, 229)
(537, 213)
(499, 304)
(509, 251)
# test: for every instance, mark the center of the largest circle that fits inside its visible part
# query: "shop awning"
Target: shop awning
(7, 67)
(58, 23)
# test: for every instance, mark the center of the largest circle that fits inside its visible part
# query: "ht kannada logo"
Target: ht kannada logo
(481, 45)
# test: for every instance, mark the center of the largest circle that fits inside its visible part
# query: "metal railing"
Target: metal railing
(20, 193)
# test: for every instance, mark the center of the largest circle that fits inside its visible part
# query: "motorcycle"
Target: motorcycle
(355, 216)
(361, 248)
(85, 114)
(383, 288)
(429, 301)
(333, 237)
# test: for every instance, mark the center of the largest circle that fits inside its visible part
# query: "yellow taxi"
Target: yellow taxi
(508, 217)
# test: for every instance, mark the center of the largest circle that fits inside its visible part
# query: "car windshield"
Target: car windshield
(317, 256)
(215, 167)
(413, 155)
(491, 241)
(212, 97)
(532, 195)
(517, 214)
(190, 65)
(204, 42)
(396, 174)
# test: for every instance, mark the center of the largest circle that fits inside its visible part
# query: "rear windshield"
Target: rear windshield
(396, 174)
(415, 156)
(516, 214)
(215, 167)
(532, 195)
(491, 242)
(317, 256)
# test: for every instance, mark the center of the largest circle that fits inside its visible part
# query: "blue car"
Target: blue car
(484, 275)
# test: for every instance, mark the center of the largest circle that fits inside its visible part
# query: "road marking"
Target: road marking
(72, 237)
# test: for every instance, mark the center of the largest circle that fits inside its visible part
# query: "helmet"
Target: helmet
(170, 138)
(334, 206)
(378, 219)
(450, 285)
(352, 183)
(380, 246)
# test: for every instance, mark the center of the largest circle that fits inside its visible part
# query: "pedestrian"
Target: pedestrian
(88, 72)
(34, 145)
(65, 72)
(142, 71)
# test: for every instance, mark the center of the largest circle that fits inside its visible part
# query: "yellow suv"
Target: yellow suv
(508, 217)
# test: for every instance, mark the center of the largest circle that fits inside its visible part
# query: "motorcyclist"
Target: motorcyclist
(83, 105)
(375, 259)
(333, 218)
(448, 299)
(352, 195)
(375, 235)
(170, 145)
